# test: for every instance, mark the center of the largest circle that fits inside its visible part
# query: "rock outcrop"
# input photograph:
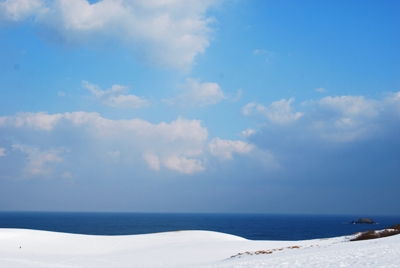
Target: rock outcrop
(363, 221)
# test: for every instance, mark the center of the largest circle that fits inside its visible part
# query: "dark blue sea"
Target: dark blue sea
(250, 226)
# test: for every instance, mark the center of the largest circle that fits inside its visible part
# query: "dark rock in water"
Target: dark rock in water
(363, 221)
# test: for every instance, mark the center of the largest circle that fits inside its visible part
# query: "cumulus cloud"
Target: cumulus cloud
(350, 105)
(116, 96)
(345, 118)
(333, 139)
(39, 162)
(392, 101)
(176, 146)
(225, 148)
(2, 150)
(38, 120)
(278, 112)
(164, 33)
(174, 162)
(339, 119)
(17, 10)
(183, 164)
(198, 94)
(152, 160)
(341, 140)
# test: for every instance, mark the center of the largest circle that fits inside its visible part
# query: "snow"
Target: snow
(32, 248)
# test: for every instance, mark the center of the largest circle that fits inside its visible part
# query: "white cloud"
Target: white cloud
(342, 140)
(152, 160)
(278, 112)
(183, 164)
(264, 53)
(238, 96)
(350, 105)
(340, 119)
(392, 101)
(346, 118)
(40, 120)
(247, 132)
(116, 96)
(225, 148)
(176, 145)
(198, 94)
(2, 150)
(165, 33)
(40, 163)
(321, 90)
(17, 10)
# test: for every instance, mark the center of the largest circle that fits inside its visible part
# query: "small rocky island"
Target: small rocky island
(363, 221)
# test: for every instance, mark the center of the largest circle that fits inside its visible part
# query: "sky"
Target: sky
(220, 106)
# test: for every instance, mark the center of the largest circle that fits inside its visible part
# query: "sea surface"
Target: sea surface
(250, 226)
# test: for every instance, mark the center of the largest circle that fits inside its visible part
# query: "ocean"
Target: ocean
(250, 226)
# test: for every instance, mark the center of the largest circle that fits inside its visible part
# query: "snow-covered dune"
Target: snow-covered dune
(31, 248)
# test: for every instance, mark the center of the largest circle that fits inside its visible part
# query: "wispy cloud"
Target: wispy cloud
(267, 55)
(279, 112)
(116, 96)
(40, 163)
(247, 132)
(237, 97)
(321, 90)
(195, 93)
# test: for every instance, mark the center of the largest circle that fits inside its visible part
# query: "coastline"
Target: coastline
(32, 248)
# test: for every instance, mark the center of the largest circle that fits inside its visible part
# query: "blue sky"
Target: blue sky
(200, 106)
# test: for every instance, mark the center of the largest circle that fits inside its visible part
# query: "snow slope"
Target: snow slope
(31, 248)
